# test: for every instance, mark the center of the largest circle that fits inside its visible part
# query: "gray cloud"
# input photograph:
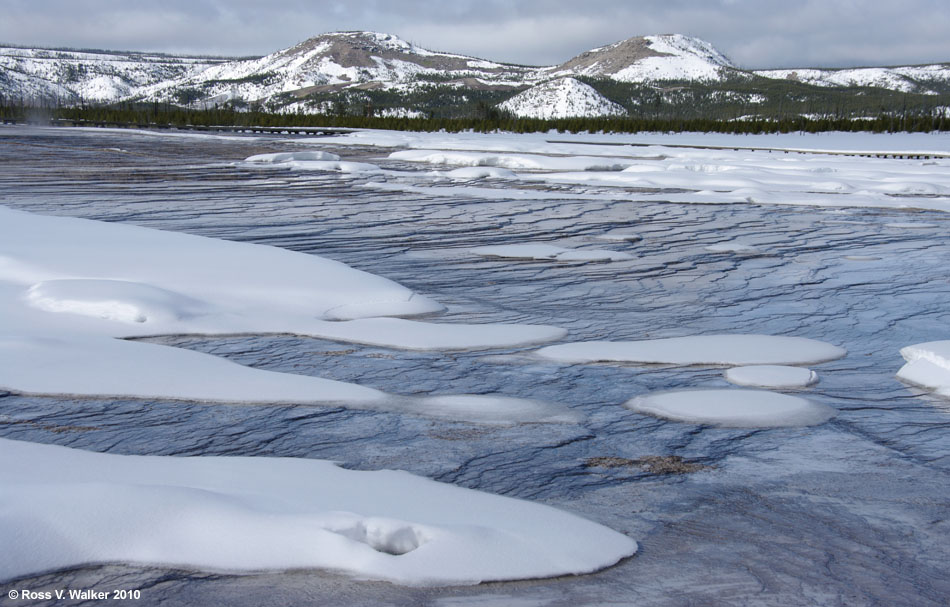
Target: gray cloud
(753, 33)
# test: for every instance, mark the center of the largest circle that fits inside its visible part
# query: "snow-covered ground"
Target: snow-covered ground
(816, 170)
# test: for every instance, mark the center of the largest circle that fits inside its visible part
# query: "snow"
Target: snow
(282, 157)
(686, 58)
(65, 507)
(907, 79)
(794, 169)
(699, 350)
(561, 98)
(928, 365)
(312, 161)
(532, 162)
(620, 237)
(70, 287)
(472, 173)
(733, 408)
(541, 251)
(771, 376)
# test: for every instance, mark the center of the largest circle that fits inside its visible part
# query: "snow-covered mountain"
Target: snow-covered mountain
(336, 61)
(650, 59)
(303, 77)
(926, 79)
(73, 76)
(562, 98)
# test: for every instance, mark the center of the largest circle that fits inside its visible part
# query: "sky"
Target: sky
(752, 33)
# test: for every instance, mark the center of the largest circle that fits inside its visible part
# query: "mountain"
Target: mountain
(361, 73)
(924, 79)
(561, 98)
(331, 63)
(651, 59)
(71, 76)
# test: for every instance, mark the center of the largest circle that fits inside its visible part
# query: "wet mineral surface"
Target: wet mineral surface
(851, 512)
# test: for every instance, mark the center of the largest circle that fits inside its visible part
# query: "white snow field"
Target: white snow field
(65, 507)
(733, 408)
(69, 287)
(896, 171)
(771, 376)
(312, 161)
(928, 365)
(699, 350)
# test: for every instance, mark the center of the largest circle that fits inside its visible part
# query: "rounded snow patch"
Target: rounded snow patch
(771, 376)
(699, 350)
(118, 300)
(733, 408)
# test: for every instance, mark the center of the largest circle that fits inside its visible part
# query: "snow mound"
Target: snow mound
(928, 365)
(480, 173)
(65, 507)
(733, 408)
(282, 157)
(771, 376)
(70, 287)
(102, 366)
(699, 350)
(541, 251)
(561, 98)
(118, 300)
(413, 335)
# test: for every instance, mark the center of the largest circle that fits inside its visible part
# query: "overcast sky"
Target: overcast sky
(753, 33)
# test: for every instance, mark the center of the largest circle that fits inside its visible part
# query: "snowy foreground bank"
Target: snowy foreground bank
(63, 507)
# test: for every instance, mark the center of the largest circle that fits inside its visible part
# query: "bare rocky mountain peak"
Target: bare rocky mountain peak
(612, 58)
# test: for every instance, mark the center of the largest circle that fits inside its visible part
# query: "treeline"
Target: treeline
(167, 115)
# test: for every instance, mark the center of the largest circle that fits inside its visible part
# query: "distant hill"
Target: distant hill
(362, 73)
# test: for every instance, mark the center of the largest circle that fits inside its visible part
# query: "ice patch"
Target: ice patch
(620, 237)
(699, 350)
(496, 410)
(771, 376)
(733, 408)
(541, 251)
(63, 508)
(928, 365)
